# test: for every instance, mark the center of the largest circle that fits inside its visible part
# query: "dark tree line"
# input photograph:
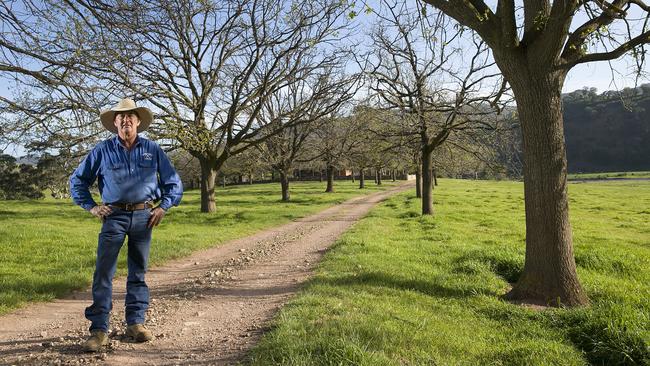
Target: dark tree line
(20, 181)
(608, 131)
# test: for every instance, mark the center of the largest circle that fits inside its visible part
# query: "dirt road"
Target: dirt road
(207, 309)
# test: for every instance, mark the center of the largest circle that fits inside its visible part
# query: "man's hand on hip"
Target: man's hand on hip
(101, 211)
(156, 217)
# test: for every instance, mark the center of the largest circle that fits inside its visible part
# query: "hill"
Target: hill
(608, 131)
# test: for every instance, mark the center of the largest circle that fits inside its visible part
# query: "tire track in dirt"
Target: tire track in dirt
(207, 309)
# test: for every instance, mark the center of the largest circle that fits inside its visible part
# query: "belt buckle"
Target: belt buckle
(128, 206)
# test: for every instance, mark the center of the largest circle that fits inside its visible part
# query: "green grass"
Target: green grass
(609, 175)
(400, 289)
(47, 247)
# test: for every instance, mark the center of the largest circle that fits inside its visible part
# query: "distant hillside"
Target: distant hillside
(608, 131)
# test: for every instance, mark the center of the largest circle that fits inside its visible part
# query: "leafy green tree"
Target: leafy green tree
(19, 182)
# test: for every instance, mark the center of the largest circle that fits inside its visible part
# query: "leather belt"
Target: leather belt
(132, 206)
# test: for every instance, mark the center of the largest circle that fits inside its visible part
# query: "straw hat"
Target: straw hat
(126, 104)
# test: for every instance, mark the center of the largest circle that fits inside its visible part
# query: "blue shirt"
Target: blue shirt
(141, 174)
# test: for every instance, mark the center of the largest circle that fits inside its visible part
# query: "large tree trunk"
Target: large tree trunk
(362, 179)
(284, 182)
(427, 182)
(549, 276)
(330, 179)
(208, 181)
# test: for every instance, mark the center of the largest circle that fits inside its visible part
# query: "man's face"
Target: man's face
(127, 123)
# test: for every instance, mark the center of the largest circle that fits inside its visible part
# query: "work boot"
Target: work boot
(96, 341)
(139, 333)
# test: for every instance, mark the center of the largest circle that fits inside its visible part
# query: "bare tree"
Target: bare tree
(439, 78)
(378, 145)
(54, 103)
(294, 113)
(535, 45)
(364, 152)
(331, 145)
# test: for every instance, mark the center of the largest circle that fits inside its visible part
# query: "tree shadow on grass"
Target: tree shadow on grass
(380, 279)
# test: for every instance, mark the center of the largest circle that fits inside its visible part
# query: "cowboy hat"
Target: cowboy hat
(124, 105)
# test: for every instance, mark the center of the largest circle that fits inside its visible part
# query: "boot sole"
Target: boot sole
(93, 350)
(139, 337)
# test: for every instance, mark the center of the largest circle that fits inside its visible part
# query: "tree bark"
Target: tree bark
(330, 179)
(427, 186)
(208, 180)
(362, 179)
(284, 183)
(418, 181)
(378, 176)
(549, 276)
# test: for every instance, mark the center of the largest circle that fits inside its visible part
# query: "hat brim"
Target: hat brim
(107, 117)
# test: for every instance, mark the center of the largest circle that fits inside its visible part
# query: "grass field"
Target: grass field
(47, 247)
(610, 175)
(401, 289)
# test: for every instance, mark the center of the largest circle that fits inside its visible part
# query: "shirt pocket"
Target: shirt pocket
(148, 170)
(117, 173)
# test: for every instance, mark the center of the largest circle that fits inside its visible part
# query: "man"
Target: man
(132, 173)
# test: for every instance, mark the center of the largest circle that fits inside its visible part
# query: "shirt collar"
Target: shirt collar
(118, 142)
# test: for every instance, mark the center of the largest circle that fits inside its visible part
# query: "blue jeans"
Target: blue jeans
(116, 227)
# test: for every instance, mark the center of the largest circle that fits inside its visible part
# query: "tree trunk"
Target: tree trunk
(284, 182)
(433, 174)
(352, 174)
(378, 174)
(250, 179)
(330, 179)
(394, 175)
(427, 180)
(362, 179)
(549, 276)
(208, 180)
(418, 181)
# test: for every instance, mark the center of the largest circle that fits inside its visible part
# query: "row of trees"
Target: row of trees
(228, 76)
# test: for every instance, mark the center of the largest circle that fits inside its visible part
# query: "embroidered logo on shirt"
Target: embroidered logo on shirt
(147, 156)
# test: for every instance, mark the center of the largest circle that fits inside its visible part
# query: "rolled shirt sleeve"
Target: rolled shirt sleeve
(170, 183)
(82, 178)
